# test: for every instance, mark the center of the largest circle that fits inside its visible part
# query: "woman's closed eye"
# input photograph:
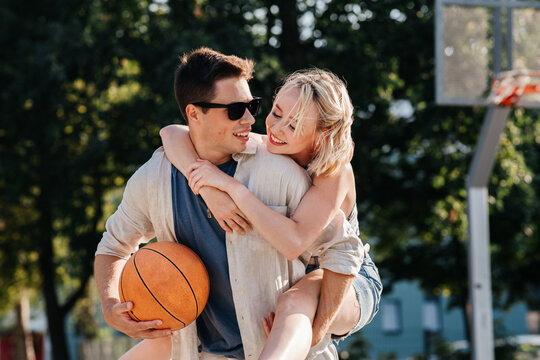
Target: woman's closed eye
(274, 114)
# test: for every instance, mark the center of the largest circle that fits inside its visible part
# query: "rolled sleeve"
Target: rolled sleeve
(339, 249)
(130, 225)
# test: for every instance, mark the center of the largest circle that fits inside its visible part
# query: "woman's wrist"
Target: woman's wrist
(236, 189)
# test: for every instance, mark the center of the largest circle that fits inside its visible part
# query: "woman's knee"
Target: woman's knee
(294, 301)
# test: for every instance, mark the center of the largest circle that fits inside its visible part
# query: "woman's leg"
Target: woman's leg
(291, 330)
(155, 349)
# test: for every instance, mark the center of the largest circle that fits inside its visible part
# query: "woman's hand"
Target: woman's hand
(204, 173)
(223, 208)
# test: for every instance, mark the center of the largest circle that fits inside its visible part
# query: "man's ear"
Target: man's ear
(192, 113)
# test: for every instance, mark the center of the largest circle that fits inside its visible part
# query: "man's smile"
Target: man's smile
(242, 134)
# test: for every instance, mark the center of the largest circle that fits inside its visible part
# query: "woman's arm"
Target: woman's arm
(290, 236)
(178, 146)
(180, 151)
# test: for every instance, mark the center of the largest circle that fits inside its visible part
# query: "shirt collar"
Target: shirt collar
(251, 149)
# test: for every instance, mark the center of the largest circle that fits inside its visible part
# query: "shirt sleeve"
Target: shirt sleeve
(339, 248)
(130, 225)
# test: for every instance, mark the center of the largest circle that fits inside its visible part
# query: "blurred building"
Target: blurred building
(407, 321)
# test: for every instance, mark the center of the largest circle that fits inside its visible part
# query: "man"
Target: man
(246, 273)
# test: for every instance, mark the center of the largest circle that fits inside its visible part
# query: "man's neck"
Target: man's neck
(207, 153)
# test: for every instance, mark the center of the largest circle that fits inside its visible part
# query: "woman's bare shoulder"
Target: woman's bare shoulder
(345, 175)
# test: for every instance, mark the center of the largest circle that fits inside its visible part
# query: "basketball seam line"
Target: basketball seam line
(124, 296)
(160, 304)
(187, 281)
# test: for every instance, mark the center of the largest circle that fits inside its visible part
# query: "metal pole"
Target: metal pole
(439, 58)
(478, 213)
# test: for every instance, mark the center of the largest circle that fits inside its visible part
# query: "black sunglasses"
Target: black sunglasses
(235, 110)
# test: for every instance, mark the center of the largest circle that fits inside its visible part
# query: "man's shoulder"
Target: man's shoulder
(152, 167)
(157, 159)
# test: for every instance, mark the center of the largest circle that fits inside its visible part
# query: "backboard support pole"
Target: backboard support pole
(478, 214)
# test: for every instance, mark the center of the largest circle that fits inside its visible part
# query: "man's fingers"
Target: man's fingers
(266, 327)
(122, 307)
(271, 317)
(151, 334)
(146, 330)
(147, 325)
(268, 322)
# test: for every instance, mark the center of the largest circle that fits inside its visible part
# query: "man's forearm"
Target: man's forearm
(334, 287)
(107, 270)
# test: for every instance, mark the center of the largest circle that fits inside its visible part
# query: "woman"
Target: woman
(311, 122)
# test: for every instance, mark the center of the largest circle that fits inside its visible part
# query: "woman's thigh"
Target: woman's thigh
(302, 297)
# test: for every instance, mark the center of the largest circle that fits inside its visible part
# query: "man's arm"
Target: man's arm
(107, 270)
(334, 287)
(129, 226)
(333, 290)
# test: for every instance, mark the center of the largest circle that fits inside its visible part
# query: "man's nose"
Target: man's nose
(247, 119)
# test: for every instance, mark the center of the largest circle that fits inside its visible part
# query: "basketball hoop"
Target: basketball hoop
(509, 87)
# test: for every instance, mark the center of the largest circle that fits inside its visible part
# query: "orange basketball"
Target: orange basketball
(165, 281)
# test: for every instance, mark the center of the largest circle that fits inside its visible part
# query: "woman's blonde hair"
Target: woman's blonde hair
(334, 146)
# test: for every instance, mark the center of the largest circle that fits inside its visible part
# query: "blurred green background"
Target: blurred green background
(86, 86)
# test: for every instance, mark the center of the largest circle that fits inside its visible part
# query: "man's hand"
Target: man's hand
(118, 318)
(334, 287)
(268, 322)
(107, 270)
(223, 208)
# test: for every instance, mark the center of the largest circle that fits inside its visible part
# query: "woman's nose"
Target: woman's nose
(275, 125)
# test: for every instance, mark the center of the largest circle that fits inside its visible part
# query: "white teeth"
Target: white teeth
(274, 139)
(242, 134)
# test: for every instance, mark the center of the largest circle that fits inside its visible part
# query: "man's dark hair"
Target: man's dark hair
(199, 70)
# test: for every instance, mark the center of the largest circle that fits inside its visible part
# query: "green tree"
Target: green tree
(75, 121)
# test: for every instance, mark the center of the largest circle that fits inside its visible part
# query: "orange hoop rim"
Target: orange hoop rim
(508, 87)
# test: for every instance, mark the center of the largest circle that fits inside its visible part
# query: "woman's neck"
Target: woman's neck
(304, 158)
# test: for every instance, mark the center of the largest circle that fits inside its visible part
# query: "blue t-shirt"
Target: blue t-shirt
(217, 326)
